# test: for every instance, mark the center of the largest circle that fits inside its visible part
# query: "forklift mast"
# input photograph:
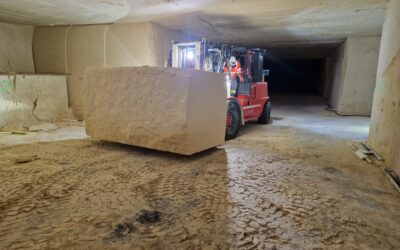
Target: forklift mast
(207, 56)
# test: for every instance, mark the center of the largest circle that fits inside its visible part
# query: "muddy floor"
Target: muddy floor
(293, 184)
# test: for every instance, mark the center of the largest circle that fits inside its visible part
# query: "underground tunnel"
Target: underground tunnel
(199, 124)
(296, 76)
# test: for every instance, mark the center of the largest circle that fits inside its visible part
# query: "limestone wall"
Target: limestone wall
(74, 48)
(85, 47)
(160, 49)
(384, 134)
(360, 76)
(355, 76)
(16, 48)
(325, 87)
(26, 100)
(128, 45)
(339, 68)
(49, 47)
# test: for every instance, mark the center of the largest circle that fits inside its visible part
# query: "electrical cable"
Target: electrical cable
(330, 108)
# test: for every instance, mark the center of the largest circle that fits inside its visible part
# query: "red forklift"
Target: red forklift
(247, 92)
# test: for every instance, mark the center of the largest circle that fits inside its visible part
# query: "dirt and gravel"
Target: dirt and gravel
(280, 186)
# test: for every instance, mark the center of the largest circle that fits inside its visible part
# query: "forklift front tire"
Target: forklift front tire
(233, 114)
(266, 114)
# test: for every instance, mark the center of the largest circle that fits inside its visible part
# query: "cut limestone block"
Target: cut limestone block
(176, 110)
(26, 100)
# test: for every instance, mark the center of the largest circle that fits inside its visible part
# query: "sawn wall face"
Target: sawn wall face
(27, 100)
(384, 134)
(354, 76)
(72, 49)
(16, 48)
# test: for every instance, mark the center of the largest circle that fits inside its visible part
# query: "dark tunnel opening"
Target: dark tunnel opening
(295, 76)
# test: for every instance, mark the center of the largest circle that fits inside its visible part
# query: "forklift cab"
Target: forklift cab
(251, 62)
(236, 87)
(203, 55)
(247, 100)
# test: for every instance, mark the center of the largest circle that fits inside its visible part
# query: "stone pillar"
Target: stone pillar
(384, 134)
(354, 76)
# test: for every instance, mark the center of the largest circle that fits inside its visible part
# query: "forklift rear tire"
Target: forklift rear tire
(234, 114)
(266, 114)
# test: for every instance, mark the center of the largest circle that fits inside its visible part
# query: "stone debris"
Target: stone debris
(26, 159)
(45, 127)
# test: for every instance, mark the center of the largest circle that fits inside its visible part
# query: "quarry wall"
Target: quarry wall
(25, 97)
(72, 49)
(384, 134)
(339, 69)
(354, 75)
(16, 48)
(27, 100)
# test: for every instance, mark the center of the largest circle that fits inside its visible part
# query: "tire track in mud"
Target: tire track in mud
(78, 192)
(279, 205)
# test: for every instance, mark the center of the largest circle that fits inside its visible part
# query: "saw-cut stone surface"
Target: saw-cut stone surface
(176, 110)
(71, 49)
(27, 100)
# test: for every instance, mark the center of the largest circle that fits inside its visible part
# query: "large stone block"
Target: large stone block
(176, 110)
(26, 100)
